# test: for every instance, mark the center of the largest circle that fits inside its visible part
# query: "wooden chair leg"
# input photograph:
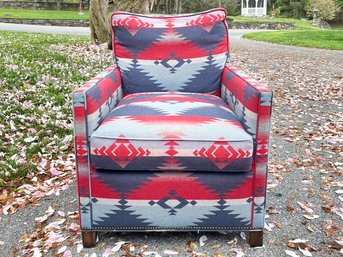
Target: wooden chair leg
(256, 238)
(88, 239)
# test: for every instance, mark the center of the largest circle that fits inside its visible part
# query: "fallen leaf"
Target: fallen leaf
(62, 249)
(267, 227)
(79, 248)
(198, 254)
(238, 251)
(67, 254)
(202, 240)
(311, 217)
(169, 252)
(305, 252)
(216, 246)
(291, 253)
(190, 246)
(107, 252)
(218, 255)
(233, 241)
(152, 253)
(117, 246)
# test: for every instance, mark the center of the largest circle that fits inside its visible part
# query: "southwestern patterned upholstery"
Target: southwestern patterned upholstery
(171, 131)
(172, 200)
(171, 136)
(185, 53)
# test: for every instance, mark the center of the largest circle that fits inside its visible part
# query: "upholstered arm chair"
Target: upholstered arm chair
(171, 136)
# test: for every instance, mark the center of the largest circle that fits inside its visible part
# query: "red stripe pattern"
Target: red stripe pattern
(91, 103)
(251, 103)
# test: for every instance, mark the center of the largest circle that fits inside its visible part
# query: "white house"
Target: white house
(254, 8)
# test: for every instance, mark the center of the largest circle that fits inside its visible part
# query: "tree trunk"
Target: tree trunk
(81, 7)
(146, 6)
(176, 7)
(99, 24)
(136, 6)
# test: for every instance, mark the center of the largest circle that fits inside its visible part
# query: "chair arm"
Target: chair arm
(251, 102)
(91, 103)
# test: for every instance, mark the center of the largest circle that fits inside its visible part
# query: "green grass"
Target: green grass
(326, 39)
(38, 72)
(301, 25)
(305, 34)
(43, 14)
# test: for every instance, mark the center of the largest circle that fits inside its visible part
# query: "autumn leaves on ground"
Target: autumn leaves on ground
(305, 187)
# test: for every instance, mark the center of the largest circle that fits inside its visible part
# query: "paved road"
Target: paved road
(45, 29)
(234, 33)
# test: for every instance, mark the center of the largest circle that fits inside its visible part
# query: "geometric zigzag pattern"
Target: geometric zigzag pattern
(251, 102)
(171, 131)
(184, 53)
(144, 200)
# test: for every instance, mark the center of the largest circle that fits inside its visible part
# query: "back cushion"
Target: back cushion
(184, 53)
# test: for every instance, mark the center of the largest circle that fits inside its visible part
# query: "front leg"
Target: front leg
(256, 238)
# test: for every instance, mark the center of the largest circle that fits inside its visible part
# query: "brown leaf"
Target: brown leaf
(272, 210)
(334, 245)
(216, 246)
(218, 255)
(14, 251)
(331, 227)
(290, 208)
(190, 246)
(310, 228)
(327, 208)
(277, 224)
(298, 243)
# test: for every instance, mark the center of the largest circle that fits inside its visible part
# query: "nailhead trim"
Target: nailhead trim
(170, 228)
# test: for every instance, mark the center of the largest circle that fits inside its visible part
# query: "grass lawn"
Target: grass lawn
(301, 25)
(38, 72)
(305, 34)
(326, 39)
(42, 14)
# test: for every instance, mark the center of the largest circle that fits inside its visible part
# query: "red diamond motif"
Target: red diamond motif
(121, 151)
(221, 153)
(206, 21)
(133, 24)
(171, 152)
(263, 150)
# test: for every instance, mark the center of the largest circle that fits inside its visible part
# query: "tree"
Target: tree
(322, 9)
(98, 21)
(136, 6)
(291, 8)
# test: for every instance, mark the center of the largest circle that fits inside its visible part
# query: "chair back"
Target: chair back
(178, 53)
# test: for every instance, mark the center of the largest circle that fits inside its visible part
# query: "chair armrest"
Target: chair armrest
(98, 97)
(91, 103)
(251, 102)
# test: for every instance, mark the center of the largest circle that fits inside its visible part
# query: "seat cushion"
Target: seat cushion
(184, 53)
(171, 131)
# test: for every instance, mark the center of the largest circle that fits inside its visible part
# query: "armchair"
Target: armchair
(171, 136)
